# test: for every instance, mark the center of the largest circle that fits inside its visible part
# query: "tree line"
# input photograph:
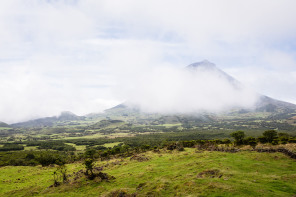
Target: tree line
(54, 152)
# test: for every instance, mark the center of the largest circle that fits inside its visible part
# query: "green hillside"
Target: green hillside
(163, 173)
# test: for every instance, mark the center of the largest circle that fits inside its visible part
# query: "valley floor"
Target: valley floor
(165, 173)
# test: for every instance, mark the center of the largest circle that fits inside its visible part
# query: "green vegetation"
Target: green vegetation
(270, 135)
(163, 173)
(33, 158)
(207, 127)
(11, 147)
(238, 136)
(148, 155)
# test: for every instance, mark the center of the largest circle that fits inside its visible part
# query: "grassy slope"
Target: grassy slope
(166, 174)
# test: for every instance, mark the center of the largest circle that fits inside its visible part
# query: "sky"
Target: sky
(89, 55)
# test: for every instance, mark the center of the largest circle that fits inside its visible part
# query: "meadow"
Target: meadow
(163, 173)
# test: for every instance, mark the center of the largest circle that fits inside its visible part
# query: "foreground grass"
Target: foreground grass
(166, 174)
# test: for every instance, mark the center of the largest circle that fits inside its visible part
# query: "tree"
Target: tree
(283, 138)
(30, 156)
(270, 135)
(238, 137)
(46, 158)
(286, 135)
(89, 153)
(89, 165)
(89, 162)
(251, 141)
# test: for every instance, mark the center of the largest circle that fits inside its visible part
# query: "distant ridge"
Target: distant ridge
(267, 104)
(49, 121)
(3, 124)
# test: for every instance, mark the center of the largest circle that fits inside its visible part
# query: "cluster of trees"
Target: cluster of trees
(46, 158)
(33, 158)
(53, 145)
(269, 136)
(91, 142)
(154, 139)
(11, 147)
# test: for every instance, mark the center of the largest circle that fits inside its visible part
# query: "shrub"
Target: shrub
(30, 156)
(275, 142)
(251, 141)
(226, 141)
(270, 135)
(262, 140)
(46, 159)
(188, 143)
(89, 165)
(238, 137)
(292, 140)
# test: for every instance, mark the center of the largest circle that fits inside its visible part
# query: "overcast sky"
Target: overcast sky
(76, 54)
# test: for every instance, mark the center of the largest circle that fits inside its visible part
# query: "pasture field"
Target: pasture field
(163, 173)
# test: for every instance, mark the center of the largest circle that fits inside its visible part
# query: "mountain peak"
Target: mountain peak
(202, 64)
(67, 113)
(209, 67)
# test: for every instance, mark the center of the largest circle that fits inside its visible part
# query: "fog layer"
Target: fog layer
(188, 90)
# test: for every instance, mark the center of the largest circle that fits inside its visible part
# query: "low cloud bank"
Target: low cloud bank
(195, 90)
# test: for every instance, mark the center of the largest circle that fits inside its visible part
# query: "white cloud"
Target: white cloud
(27, 94)
(69, 55)
(168, 90)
